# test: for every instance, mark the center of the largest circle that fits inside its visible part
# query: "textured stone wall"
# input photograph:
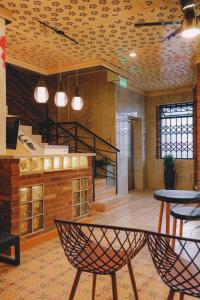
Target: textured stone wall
(2, 88)
(197, 96)
(184, 168)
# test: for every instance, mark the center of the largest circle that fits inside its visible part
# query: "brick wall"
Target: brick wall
(9, 195)
(57, 193)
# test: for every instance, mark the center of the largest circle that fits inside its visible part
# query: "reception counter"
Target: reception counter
(36, 189)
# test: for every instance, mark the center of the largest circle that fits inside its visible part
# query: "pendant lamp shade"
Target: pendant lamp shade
(41, 93)
(60, 98)
(77, 101)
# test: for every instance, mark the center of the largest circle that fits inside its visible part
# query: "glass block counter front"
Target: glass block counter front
(80, 197)
(52, 163)
(31, 209)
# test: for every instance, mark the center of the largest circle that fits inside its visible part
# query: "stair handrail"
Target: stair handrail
(53, 123)
(91, 133)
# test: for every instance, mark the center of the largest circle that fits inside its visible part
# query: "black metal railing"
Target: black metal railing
(81, 139)
(73, 134)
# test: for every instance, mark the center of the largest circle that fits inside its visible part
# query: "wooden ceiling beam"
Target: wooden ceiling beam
(6, 14)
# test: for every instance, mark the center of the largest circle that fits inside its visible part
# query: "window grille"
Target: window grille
(176, 130)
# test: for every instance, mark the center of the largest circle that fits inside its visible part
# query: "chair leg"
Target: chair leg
(114, 286)
(174, 232)
(75, 284)
(167, 218)
(17, 252)
(94, 286)
(132, 277)
(171, 295)
(160, 216)
(181, 229)
(181, 297)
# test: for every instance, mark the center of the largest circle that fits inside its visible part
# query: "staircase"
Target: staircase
(103, 190)
(37, 138)
(78, 138)
(106, 198)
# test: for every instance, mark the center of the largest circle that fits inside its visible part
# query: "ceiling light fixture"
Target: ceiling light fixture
(41, 93)
(188, 6)
(77, 101)
(60, 98)
(190, 28)
(132, 54)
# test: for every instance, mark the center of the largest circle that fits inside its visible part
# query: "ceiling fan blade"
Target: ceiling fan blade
(163, 23)
(59, 32)
(173, 34)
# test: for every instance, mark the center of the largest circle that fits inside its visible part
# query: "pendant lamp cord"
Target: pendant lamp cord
(60, 61)
(41, 62)
(77, 78)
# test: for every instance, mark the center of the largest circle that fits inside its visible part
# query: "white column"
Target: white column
(3, 109)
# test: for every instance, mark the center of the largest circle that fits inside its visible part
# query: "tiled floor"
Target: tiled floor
(45, 274)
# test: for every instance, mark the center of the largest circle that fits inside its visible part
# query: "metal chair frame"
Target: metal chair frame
(100, 250)
(179, 268)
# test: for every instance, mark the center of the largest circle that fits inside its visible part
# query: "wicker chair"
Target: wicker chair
(99, 249)
(178, 268)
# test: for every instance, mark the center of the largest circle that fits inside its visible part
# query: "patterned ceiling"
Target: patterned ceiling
(105, 30)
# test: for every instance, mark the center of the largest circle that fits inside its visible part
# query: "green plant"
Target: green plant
(102, 162)
(169, 162)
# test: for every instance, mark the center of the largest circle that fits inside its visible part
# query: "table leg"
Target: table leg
(160, 216)
(181, 229)
(167, 218)
(174, 232)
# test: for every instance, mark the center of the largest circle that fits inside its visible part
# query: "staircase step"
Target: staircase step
(110, 203)
(37, 138)
(26, 129)
(104, 192)
(100, 182)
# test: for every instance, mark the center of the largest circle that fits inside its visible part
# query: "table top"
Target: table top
(188, 213)
(177, 196)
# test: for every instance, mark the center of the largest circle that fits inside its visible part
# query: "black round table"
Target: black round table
(173, 196)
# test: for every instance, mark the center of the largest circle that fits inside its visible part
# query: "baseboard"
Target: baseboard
(31, 242)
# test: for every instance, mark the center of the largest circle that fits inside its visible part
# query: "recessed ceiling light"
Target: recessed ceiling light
(132, 54)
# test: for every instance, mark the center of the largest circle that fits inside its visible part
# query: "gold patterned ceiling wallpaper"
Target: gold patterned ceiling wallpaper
(105, 30)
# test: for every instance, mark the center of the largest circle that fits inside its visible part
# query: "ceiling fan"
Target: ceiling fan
(190, 25)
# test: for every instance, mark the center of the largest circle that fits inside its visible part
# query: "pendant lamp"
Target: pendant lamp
(41, 93)
(77, 101)
(60, 98)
